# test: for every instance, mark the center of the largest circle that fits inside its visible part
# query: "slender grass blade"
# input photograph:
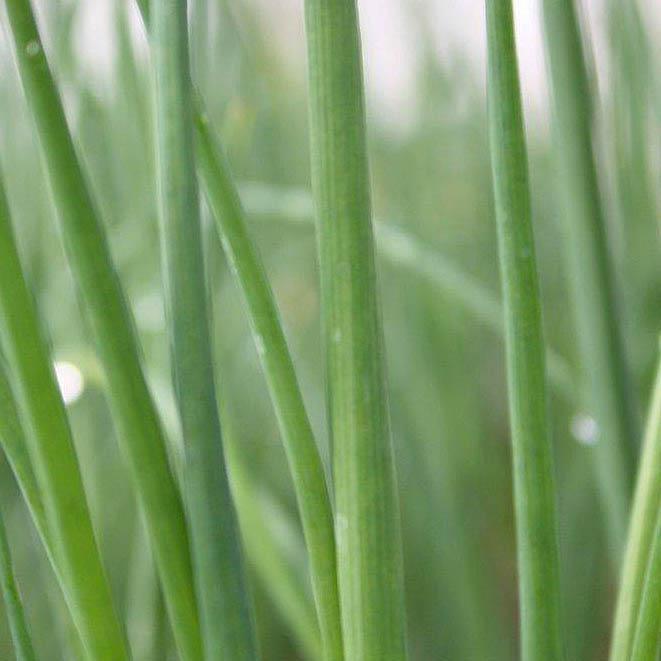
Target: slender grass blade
(647, 642)
(222, 593)
(139, 429)
(603, 365)
(53, 456)
(646, 505)
(367, 508)
(534, 495)
(400, 249)
(302, 452)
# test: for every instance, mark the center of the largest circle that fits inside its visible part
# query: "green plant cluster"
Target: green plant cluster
(260, 396)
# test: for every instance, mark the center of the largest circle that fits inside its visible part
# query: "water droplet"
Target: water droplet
(32, 48)
(70, 381)
(341, 527)
(584, 428)
(259, 345)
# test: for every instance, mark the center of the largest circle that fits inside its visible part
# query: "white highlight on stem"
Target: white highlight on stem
(70, 381)
(33, 48)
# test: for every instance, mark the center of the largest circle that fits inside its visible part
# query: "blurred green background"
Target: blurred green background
(431, 180)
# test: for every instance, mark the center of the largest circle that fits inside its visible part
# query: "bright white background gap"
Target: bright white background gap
(390, 44)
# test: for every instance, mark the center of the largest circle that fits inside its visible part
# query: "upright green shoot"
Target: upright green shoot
(302, 451)
(602, 359)
(534, 494)
(20, 634)
(647, 641)
(367, 509)
(222, 593)
(53, 456)
(88, 253)
(401, 250)
(262, 520)
(646, 505)
(14, 445)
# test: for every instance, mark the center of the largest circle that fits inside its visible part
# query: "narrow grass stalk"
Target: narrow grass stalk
(52, 453)
(589, 266)
(302, 452)
(88, 253)
(142, 597)
(261, 519)
(534, 495)
(222, 593)
(646, 504)
(367, 509)
(402, 250)
(647, 642)
(18, 628)
(634, 121)
(299, 440)
(14, 445)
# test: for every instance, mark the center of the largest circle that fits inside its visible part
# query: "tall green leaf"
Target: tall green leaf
(14, 445)
(647, 641)
(646, 505)
(139, 428)
(302, 452)
(534, 494)
(367, 508)
(602, 359)
(53, 456)
(400, 249)
(222, 593)
(20, 634)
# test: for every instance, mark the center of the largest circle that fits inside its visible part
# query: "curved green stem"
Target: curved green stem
(20, 635)
(51, 452)
(646, 504)
(534, 493)
(88, 253)
(222, 591)
(402, 250)
(298, 438)
(261, 519)
(647, 642)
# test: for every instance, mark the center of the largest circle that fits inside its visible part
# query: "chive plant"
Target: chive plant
(534, 495)
(20, 634)
(642, 526)
(367, 509)
(352, 608)
(14, 445)
(227, 628)
(53, 456)
(302, 452)
(88, 253)
(647, 641)
(603, 365)
(303, 455)
(401, 250)
(635, 113)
